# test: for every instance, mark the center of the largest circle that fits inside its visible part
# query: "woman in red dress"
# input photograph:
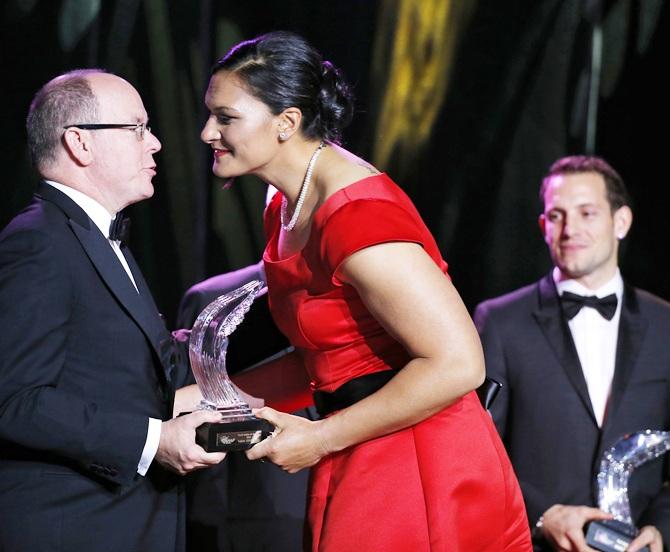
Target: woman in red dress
(403, 457)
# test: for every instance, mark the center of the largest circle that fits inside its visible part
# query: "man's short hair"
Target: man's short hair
(615, 189)
(65, 100)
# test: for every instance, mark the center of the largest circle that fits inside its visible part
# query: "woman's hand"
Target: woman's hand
(297, 443)
(186, 399)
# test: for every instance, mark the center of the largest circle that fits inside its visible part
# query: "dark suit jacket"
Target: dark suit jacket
(544, 413)
(85, 362)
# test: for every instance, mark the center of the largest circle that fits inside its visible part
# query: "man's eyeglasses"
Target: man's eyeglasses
(139, 128)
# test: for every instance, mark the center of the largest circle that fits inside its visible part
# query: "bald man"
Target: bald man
(88, 450)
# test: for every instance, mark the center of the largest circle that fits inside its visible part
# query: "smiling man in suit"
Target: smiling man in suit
(584, 359)
(88, 449)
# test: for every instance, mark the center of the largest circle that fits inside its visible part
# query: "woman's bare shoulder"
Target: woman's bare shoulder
(345, 168)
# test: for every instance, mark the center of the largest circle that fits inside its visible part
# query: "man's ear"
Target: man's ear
(542, 223)
(289, 122)
(623, 218)
(77, 144)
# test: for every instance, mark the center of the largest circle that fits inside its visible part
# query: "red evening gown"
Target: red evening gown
(444, 484)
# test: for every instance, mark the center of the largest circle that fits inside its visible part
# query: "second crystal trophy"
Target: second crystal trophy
(616, 467)
(208, 342)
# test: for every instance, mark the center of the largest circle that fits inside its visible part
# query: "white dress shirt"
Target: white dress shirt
(595, 339)
(102, 219)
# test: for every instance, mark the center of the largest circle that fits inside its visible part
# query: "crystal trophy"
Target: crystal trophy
(616, 467)
(208, 342)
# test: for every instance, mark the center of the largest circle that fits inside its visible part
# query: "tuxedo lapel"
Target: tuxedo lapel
(161, 336)
(632, 327)
(107, 264)
(550, 318)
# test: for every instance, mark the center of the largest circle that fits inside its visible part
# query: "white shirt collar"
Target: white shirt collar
(614, 285)
(96, 212)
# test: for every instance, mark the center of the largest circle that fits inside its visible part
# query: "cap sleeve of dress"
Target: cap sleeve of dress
(362, 223)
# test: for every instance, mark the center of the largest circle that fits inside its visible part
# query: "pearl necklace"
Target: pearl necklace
(303, 193)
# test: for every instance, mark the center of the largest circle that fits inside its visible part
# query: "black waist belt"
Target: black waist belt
(351, 392)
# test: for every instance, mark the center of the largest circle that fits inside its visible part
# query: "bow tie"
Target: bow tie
(119, 228)
(573, 303)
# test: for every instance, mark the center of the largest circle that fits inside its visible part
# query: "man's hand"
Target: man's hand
(649, 536)
(177, 449)
(563, 526)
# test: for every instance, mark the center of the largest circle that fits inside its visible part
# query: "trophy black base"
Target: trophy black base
(611, 536)
(232, 436)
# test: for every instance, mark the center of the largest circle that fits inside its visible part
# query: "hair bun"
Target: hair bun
(336, 101)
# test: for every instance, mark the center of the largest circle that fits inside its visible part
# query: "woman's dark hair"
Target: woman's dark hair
(283, 70)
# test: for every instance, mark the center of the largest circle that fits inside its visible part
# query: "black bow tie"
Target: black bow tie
(119, 228)
(573, 303)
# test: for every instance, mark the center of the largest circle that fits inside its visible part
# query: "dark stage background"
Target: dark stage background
(464, 103)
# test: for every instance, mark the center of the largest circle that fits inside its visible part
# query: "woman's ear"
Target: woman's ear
(288, 123)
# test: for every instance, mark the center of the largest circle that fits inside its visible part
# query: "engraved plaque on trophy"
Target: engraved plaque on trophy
(616, 467)
(238, 428)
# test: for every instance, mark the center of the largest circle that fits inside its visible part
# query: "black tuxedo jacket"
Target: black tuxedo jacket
(86, 360)
(544, 413)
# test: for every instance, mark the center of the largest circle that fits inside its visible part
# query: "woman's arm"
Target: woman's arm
(417, 304)
(186, 399)
(282, 383)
